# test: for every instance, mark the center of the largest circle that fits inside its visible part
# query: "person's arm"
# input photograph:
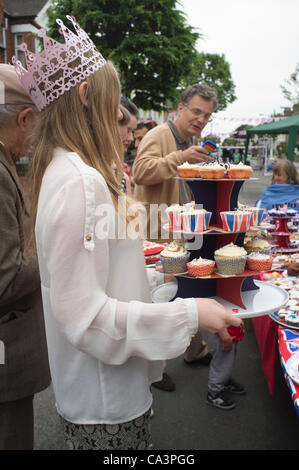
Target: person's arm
(19, 275)
(155, 163)
(96, 324)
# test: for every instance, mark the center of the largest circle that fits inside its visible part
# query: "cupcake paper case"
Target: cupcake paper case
(230, 266)
(239, 171)
(174, 259)
(200, 267)
(212, 171)
(230, 259)
(174, 216)
(236, 221)
(259, 262)
(196, 221)
(187, 170)
(257, 215)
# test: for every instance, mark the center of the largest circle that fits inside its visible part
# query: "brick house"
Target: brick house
(19, 22)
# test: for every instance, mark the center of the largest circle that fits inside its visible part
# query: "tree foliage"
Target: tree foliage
(214, 70)
(291, 88)
(151, 45)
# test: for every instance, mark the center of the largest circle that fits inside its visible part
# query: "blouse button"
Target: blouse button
(88, 238)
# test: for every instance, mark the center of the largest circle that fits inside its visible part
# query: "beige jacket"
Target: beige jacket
(155, 167)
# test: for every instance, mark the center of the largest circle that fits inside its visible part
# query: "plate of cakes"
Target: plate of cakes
(288, 315)
(215, 170)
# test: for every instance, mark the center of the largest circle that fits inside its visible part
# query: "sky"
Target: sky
(260, 41)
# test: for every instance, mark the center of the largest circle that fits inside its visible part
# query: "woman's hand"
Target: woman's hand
(212, 316)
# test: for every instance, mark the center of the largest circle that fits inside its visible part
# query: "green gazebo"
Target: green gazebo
(289, 125)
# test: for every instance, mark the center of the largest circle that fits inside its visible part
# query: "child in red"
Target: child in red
(221, 367)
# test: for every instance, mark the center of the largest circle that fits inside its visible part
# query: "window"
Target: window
(20, 55)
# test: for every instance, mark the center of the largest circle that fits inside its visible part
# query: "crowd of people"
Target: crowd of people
(75, 299)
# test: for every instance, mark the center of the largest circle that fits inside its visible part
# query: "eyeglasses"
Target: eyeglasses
(198, 113)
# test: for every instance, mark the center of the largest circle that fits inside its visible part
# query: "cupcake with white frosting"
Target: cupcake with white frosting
(174, 258)
(230, 259)
(173, 213)
(239, 171)
(212, 171)
(259, 262)
(201, 267)
(257, 244)
(188, 170)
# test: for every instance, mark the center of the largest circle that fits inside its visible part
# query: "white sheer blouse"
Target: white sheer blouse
(106, 340)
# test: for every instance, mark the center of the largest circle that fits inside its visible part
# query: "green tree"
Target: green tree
(214, 70)
(291, 89)
(150, 43)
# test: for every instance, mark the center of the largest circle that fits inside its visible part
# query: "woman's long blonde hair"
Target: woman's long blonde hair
(92, 132)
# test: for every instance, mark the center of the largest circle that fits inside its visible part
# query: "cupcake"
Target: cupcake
(188, 170)
(291, 212)
(292, 319)
(174, 258)
(280, 213)
(272, 212)
(212, 171)
(236, 221)
(152, 251)
(257, 244)
(196, 220)
(201, 267)
(230, 259)
(239, 171)
(259, 262)
(174, 216)
(257, 215)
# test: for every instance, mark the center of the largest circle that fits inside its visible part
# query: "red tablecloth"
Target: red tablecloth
(266, 335)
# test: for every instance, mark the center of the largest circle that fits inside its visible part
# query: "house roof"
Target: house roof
(23, 9)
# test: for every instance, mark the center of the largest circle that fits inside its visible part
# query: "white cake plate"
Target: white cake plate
(263, 301)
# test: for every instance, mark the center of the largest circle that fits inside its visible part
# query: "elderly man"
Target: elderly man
(24, 368)
(160, 152)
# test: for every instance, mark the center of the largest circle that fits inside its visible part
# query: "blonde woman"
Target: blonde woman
(106, 340)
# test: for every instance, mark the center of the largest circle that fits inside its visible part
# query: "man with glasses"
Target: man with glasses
(169, 145)
(160, 152)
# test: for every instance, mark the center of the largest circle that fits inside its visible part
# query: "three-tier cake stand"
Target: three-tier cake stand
(246, 296)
